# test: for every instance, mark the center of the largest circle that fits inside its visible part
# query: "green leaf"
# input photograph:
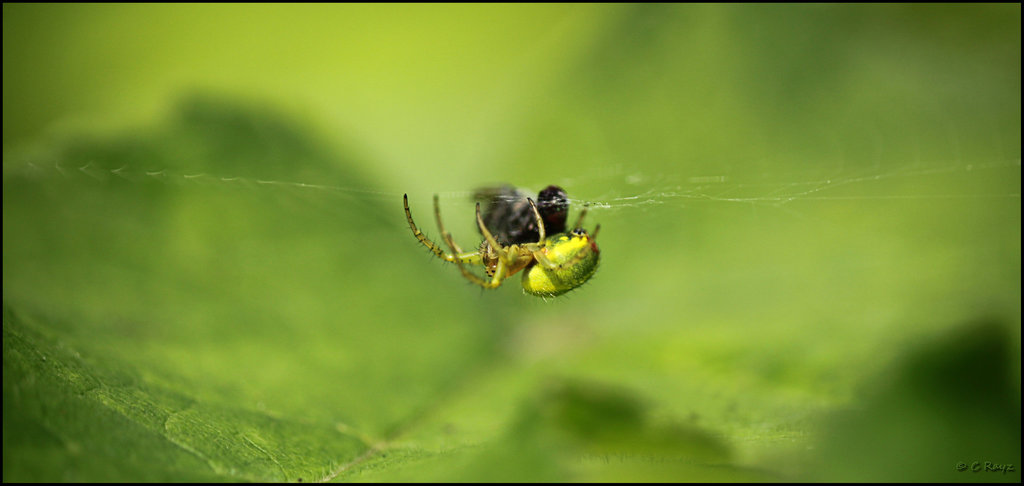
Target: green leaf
(184, 318)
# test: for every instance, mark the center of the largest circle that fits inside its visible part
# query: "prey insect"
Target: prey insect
(551, 265)
(509, 217)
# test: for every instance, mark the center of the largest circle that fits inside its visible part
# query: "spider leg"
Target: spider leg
(579, 221)
(540, 223)
(502, 254)
(499, 273)
(455, 256)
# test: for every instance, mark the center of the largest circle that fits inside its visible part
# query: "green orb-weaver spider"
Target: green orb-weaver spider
(553, 265)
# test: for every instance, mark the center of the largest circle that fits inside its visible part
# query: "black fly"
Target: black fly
(508, 216)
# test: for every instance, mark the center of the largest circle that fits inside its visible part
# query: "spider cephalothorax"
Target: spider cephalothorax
(552, 265)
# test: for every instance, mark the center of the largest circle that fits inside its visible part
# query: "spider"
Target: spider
(552, 265)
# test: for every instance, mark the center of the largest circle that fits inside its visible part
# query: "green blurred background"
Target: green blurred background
(810, 242)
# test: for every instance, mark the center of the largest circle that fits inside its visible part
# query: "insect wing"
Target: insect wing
(507, 214)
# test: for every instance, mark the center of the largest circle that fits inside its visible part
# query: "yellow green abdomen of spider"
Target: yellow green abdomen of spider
(577, 249)
(551, 266)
